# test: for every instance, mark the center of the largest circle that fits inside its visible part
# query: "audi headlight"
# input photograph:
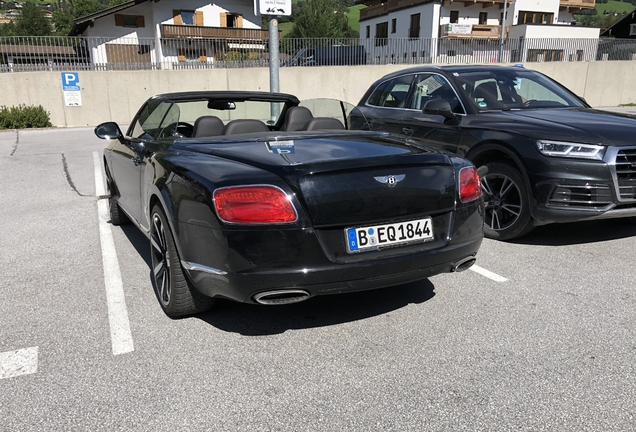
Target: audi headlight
(571, 150)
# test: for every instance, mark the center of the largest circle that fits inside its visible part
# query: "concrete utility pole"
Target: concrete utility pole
(503, 32)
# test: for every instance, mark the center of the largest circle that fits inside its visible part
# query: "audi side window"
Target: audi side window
(392, 94)
(375, 97)
(433, 86)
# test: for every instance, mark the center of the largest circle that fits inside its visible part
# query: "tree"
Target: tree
(32, 21)
(322, 19)
(113, 3)
(62, 21)
(82, 8)
(7, 29)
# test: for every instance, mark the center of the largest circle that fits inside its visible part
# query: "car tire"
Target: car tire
(507, 214)
(174, 291)
(117, 216)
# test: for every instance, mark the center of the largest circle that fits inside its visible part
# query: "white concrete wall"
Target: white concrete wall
(429, 17)
(551, 37)
(554, 32)
(116, 95)
(551, 6)
(470, 14)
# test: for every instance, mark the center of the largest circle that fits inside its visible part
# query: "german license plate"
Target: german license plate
(379, 236)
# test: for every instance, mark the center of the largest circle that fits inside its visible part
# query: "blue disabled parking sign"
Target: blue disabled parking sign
(71, 88)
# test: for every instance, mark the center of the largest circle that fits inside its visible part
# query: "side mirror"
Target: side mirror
(138, 147)
(439, 107)
(109, 130)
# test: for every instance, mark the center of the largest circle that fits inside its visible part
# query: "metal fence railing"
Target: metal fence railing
(19, 54)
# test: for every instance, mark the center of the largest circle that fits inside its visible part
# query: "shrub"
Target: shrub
(22, 117)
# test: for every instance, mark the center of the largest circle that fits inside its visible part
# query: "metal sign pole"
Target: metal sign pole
(274, 63)
(273, 9)
(503, 32)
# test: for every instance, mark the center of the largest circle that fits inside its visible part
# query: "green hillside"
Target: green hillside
(614, 6)
(354, 16)
(286, 27)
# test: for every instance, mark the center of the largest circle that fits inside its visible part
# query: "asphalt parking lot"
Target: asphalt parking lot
(543, 340)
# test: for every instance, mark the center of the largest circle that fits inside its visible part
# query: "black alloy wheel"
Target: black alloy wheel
(174, 291)
(507, 214)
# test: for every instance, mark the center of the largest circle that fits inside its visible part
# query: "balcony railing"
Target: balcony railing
(576, 4)
(470, 30)
(185, 31)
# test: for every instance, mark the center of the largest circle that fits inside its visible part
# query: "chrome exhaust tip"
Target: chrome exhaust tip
(280, 297)
(463, 264)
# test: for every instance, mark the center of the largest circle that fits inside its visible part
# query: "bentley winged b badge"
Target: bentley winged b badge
(390, 180)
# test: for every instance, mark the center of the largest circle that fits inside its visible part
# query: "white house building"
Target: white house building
(426, 29)
(171, 33)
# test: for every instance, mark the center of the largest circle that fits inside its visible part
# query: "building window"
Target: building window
(368, 32)
(135, 21)
(231, 20)
(632, 29)
(526, 17)
(483, 17)
(187, 17)
(414, 31)
(393, 25)
(454, 17)
(381, 33)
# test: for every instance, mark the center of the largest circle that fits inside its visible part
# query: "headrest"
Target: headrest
(487, 90)
(207, 126)
(296, 118)
(244, 126)
(320, 123)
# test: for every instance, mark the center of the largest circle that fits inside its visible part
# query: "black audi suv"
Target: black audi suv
(547, 156)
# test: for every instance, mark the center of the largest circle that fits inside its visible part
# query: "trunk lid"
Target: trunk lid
(347, 179)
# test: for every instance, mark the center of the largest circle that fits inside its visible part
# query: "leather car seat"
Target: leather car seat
(320, 123)
(296, 118)
(241, 126)
(488, 94)
(207, 126)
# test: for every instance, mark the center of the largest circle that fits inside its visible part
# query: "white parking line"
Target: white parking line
(19, 362)
(487, 273)
(120, 335)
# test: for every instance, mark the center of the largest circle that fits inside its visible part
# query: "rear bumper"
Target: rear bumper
(335, 279)
(239, 265)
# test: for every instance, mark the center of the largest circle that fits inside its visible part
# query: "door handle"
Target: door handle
(136, 160)
(407, 131)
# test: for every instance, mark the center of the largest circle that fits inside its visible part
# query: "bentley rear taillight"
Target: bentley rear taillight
(469, 186)
(254, 205)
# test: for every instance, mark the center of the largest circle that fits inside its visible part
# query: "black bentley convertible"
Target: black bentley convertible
(252, 197)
